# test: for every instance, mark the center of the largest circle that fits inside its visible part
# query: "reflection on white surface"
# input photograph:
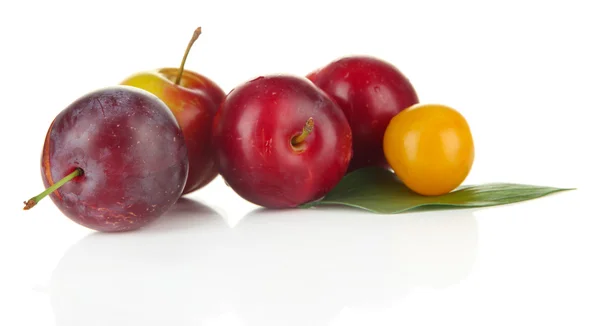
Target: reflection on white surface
(300, 267)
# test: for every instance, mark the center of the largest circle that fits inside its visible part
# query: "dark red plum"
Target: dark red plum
(281, 142)
(371, 92)
(124, 156)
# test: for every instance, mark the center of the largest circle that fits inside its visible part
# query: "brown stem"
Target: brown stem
(195, 36)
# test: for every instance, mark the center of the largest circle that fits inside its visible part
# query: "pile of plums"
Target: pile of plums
(117, 158)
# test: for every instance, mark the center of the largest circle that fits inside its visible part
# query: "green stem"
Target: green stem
(197, 33)
(34, 200)
(307, 130)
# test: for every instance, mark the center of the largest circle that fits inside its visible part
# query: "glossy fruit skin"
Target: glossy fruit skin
(132, 153)
(371, 92)
(194, 102)
(430, 147)
(253, 131)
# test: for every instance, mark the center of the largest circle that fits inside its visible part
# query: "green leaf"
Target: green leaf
(379, 191)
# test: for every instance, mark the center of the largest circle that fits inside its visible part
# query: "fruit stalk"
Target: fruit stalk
(306, 130)
(34, 200)
(195, 36)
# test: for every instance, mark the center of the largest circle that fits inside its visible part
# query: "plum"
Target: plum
(120, 157)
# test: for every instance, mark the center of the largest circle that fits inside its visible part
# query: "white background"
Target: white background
(524, 73)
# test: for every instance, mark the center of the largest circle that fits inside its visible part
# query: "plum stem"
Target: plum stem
(34, 200)
(307, 130)
(195, 36)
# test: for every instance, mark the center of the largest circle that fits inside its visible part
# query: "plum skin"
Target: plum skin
(132, 153)
(371, 92)
(252, 134)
